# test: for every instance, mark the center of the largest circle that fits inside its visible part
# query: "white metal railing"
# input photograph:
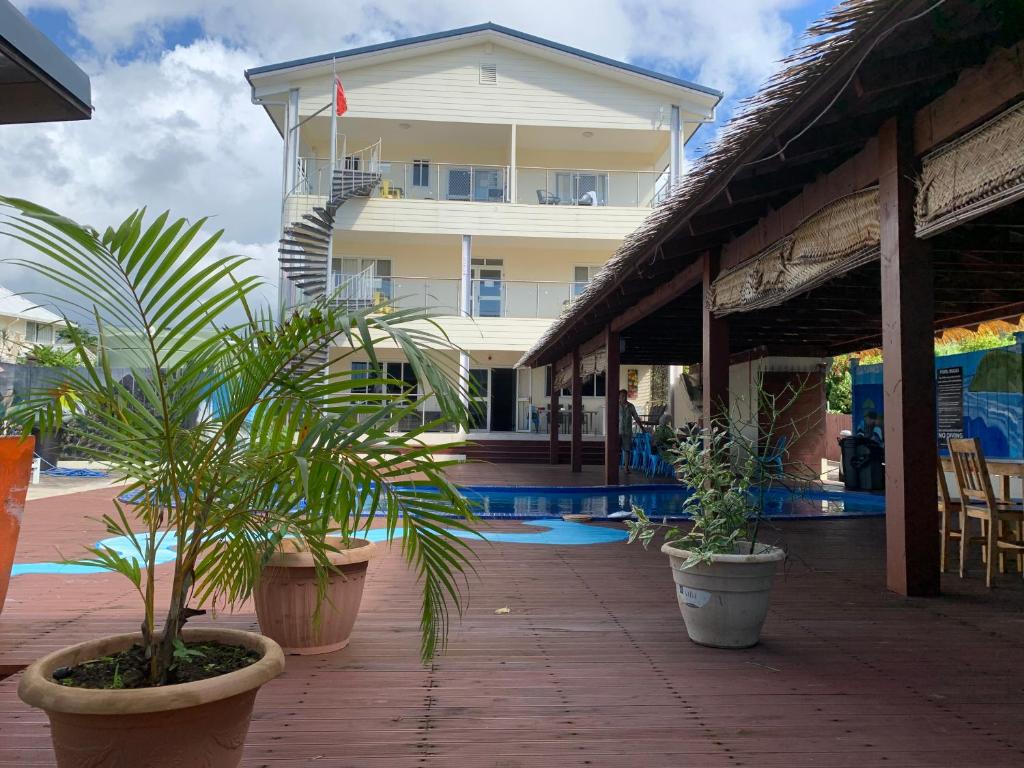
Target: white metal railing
(488, 298)
(588, 187)
(535, 418)
(366, 160)
(422, 180)
(312, 177)
(438, 294)
(444, 181)
(521, 298)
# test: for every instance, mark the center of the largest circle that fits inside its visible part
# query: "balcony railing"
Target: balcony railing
(534, 186)
(488, 298)
(520, 298)
(533, 418)
(567, 186)
(444, 181)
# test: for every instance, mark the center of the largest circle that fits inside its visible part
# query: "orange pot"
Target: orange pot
(15, 470)
(287, 597)
(174, 726)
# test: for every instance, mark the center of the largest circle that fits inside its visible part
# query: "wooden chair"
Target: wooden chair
(978, 501)
(948, 509)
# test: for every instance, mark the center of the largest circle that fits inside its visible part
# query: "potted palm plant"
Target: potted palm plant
(232, 440)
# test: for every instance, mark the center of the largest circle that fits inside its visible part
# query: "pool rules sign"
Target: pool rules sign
(949, 403)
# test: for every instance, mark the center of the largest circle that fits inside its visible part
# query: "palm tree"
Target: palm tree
(233, 435)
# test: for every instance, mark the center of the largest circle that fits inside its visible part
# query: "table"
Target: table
(1006, 469)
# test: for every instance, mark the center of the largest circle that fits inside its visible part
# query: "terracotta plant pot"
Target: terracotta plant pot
(286, 598)
(724, 603)
(201, 723)
(15, 470)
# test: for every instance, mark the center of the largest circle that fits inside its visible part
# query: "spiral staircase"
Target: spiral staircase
(304, 248)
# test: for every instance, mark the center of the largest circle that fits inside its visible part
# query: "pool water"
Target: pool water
(658, 501)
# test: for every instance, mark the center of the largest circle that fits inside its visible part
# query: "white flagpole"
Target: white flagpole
(334, 114)
(331, 170)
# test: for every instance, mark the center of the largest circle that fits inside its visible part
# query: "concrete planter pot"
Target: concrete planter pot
(201, 723)
(725, 602)
(15, 470)
(286, 598)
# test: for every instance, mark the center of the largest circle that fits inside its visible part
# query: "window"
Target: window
(38, 333)
(401, 372)
(360, 371)
(593, 386)
(421, 173)
(479, 379)
(581, 276)
(547, 385)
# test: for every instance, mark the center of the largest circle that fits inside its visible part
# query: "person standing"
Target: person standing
(627, 415)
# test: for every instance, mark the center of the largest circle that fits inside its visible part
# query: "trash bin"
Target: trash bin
(863, 464)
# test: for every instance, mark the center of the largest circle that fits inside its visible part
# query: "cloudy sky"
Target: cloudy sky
(174, 128)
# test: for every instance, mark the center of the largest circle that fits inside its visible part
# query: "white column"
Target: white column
(291, 140)
(286, 294)
(675, 164)
(467, 287)
(513, 180)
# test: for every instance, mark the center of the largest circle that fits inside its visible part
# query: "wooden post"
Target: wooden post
(908, 373)
(611, 407)
(715, 362)
(553, 421)
(577, 412)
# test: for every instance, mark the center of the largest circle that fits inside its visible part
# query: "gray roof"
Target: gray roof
(477, 28)
(37, 81)
(16, 305)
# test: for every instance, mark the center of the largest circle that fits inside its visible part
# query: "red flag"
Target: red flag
(341, 103)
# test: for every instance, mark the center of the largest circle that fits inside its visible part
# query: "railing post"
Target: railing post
(553, 421)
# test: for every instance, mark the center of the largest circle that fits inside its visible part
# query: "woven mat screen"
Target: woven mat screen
(841, 236)
(590, 365)
(972, 175)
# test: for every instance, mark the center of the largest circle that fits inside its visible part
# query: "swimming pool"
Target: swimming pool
(658, 501)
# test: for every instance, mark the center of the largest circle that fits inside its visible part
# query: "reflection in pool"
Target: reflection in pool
(659, 501)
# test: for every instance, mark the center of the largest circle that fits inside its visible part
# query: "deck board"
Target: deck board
(592, 666)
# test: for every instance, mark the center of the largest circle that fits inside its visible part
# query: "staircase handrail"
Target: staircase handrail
(366, 160)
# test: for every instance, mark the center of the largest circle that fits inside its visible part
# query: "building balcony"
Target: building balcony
(420, 180)
(443, 296)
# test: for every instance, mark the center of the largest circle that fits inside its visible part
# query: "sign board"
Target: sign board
(949, 403)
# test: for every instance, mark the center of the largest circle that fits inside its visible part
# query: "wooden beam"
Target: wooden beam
(553, 422)
(577, 413)
(591, 346)
(715, 359)
(611, 408)
(858, 172)
(1005, 312)
(979, 94)
(689, 278)
(908, 353)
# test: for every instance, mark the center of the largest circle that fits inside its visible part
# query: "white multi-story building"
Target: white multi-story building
(481, 172)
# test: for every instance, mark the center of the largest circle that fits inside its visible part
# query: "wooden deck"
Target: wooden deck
(592, 666)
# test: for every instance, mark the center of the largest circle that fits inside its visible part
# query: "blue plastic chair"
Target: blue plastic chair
(771, 461)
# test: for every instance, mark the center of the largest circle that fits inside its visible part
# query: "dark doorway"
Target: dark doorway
(503, 399)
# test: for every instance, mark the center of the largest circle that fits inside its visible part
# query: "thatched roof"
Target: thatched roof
(846, 33)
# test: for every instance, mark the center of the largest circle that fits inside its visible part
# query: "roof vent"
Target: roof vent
(488, 74)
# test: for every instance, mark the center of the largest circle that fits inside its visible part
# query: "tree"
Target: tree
(235, 434)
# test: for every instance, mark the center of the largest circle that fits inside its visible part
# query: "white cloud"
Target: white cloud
(175, 128)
